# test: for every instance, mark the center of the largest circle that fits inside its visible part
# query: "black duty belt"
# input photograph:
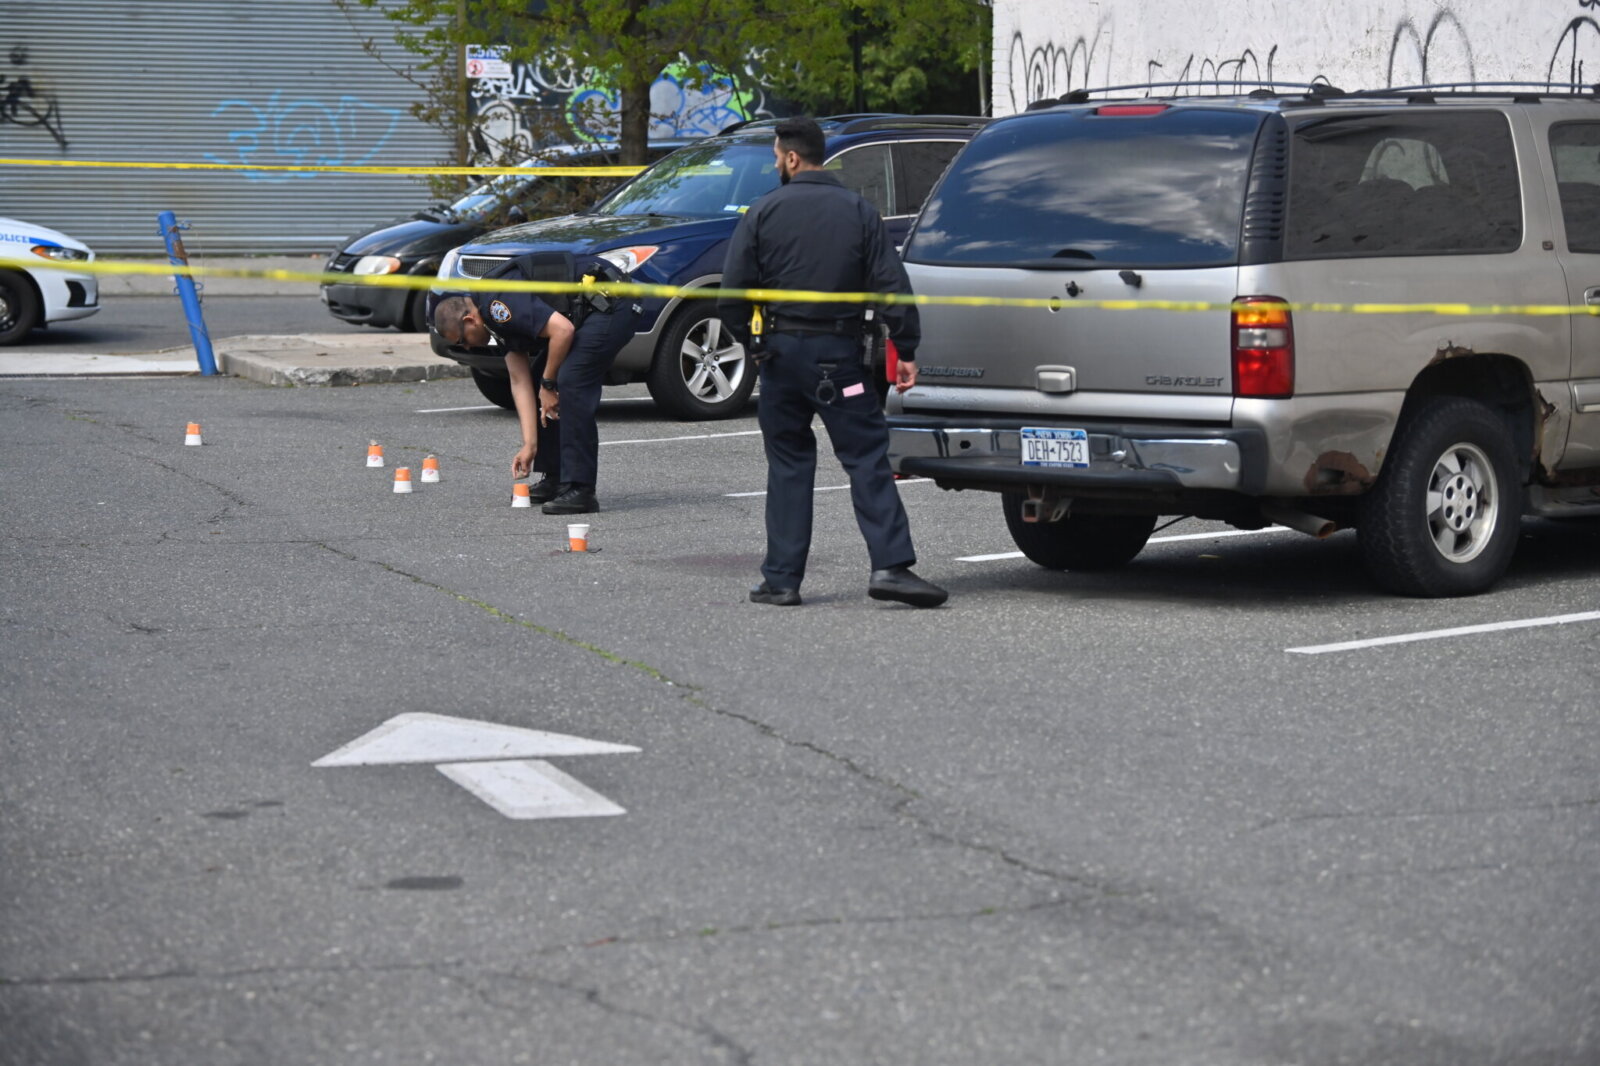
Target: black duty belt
(781, 324)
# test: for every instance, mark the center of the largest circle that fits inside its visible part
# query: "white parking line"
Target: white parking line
(1153, 540)
(1440, 634)
(831, 488)
(497, 407)
(669, 440)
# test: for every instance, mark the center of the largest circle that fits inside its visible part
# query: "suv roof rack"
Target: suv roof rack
(1259, 90)
(864, 123)
(1485, 88)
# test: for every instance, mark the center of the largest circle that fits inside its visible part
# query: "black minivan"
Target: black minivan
(416, 245)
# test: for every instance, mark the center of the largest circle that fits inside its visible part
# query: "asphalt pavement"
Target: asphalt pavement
(1067, 818)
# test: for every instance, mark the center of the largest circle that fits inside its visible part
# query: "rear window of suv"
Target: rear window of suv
(1389, 184)
(1073, 189)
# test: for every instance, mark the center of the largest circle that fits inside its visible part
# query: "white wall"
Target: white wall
(1043, 48)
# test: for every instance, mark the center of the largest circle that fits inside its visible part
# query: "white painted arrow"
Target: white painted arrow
(500, 764)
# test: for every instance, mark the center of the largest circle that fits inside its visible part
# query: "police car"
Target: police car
(34, 296)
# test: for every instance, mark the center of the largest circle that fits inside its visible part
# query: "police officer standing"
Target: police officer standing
(569, 359)
(812, 233)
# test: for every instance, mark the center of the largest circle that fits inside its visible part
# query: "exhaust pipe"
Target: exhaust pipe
(1298, 520)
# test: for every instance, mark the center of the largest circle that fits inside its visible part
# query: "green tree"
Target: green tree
(886, 55)
(825, 56)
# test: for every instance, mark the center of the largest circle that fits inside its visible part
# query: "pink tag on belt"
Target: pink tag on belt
(855, 390)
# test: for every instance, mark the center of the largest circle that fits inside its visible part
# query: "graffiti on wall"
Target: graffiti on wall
(24, 104)
(1441, 55)
(302, 131)
(1435, 50)
(543, 103)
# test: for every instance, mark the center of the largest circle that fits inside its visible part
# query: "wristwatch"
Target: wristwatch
(548, 383)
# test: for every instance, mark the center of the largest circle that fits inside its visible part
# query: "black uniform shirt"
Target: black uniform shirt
(515, 319)
(814, 233)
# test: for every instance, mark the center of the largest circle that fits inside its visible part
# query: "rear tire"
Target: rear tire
(701, 372)
(495, 389)
(1444, 517)
(19, 307)
(1078, 542)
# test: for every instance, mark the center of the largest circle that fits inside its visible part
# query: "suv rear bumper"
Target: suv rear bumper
(986, 453)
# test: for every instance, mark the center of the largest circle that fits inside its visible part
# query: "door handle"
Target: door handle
(1591, 297)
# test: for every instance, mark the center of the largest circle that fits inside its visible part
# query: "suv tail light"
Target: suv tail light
(1263, 348)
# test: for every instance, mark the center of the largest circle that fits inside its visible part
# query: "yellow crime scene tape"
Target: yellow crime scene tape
(1052, 303)
(412, 281)
(539, 170)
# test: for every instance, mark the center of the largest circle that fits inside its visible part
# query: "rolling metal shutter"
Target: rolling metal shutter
(221, 81)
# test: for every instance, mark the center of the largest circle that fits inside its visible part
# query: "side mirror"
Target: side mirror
(516, 214)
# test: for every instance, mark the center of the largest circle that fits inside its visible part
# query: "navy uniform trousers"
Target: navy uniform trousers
(789, 400)
(569, 447)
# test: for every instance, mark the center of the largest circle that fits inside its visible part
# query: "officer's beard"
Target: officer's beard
(783, 174)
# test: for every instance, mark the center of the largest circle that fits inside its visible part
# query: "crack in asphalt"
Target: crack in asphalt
(687, 937)
(595, 997)
(692, 694)
(1454, 812)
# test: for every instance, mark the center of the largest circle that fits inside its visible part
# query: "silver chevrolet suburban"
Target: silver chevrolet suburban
(1300, 395)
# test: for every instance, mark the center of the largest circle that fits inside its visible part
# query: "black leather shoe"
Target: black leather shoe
(765, 593)
(545, 489)
(573, 499)
(898, 583)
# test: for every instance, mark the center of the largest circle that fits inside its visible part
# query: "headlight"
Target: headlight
(376, 264)
(447, 265)
(628, 260)
(55, 251)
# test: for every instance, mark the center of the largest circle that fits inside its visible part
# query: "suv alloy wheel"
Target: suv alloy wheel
(701, 372)
(1443, 518)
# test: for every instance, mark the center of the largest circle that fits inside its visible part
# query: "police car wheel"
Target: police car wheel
(19, 307)
(495, 389)
(701, 371)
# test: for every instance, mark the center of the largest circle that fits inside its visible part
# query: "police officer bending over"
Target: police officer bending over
(813, 233)
(569, 353)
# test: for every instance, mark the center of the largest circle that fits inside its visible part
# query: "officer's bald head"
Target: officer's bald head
(449, 318)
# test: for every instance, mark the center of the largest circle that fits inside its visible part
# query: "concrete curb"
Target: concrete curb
(311, 359)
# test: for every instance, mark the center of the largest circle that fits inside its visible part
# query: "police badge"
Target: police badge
(499, 311)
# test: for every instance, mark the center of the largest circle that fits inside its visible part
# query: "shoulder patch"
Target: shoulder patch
(499, 311)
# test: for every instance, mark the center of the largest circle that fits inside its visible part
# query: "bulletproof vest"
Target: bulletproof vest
(555, 267)
(564, 266)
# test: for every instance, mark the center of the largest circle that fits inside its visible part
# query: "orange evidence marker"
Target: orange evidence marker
(519, 495)
(374, 454)
(192, 434)
(430, 470)
(402, 479)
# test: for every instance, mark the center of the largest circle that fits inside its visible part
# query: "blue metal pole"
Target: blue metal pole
(177, 256)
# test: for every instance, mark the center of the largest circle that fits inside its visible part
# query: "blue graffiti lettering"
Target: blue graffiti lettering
(304, 132)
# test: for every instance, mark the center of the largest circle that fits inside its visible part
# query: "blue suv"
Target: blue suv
(670, 226)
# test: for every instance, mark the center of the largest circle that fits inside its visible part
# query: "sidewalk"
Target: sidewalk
(161, 284)
(278, 359)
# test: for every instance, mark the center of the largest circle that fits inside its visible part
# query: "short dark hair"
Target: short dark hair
(447, 314)
(803, 137)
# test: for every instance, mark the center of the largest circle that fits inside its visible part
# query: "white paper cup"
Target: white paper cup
(578, 536)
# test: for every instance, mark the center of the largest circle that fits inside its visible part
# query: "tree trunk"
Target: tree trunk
(635, 120)
(635, 96)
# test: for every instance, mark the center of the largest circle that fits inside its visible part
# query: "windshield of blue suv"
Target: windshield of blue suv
(1078, 189)
(699, 181)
